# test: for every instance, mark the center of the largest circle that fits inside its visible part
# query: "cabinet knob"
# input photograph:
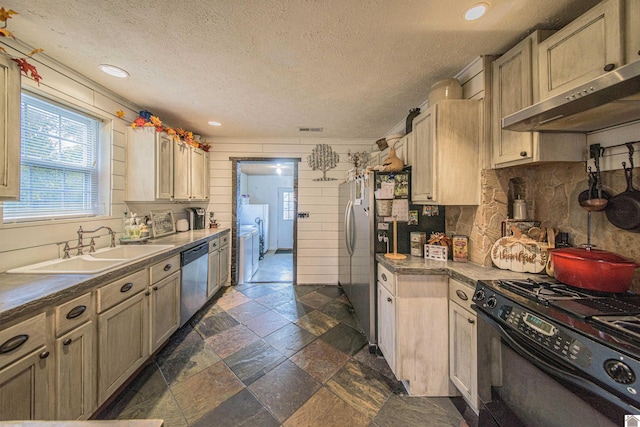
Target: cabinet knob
(155, 288)
(126, 287)
(67, 341)
(147, 293)
(13, 343)
(384, 277)
(167, 267)
(471, 321)
(389, 299)
(429, 197)
(44, 354)
(461, 295)
(609, 67)
(76, 311)
(523, 154)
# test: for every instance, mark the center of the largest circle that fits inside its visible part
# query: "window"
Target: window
(59, 170)
(287, 205)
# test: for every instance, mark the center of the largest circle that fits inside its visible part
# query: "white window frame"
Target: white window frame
(103, 152)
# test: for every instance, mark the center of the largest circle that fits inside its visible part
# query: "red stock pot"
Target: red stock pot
(593, 269)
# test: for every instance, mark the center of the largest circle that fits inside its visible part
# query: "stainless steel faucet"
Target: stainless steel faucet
(92, 242)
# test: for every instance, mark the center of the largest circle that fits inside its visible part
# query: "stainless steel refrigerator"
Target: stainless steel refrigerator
(358, 239)
(356, 253)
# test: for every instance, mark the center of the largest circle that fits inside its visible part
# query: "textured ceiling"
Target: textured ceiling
(263, 68)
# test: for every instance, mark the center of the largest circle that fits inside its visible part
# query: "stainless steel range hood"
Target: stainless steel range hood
(609, 100)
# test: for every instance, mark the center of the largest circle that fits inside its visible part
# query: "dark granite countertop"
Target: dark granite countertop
(465, 272)
(22, 294)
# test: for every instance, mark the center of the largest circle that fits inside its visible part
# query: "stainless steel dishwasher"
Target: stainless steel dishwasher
(193, 290)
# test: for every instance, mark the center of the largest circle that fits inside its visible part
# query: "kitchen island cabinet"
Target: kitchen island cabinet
(412, 319)
(445, 158)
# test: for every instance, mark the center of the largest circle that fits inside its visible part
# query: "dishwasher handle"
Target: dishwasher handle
(193, 254)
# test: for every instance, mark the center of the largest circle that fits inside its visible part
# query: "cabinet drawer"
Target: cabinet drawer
(120, 290)
(165, 268)
(224, 240)
(461, 293)
(21, 339)
(214, 244)
(73, 313)
(387, 279)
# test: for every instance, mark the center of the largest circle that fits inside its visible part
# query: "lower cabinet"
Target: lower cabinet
(25, 368)
(123, 343)
(24, 388)
(463, 342)
(75, 373)
(164, 306)
(223, 265)
(414, 330)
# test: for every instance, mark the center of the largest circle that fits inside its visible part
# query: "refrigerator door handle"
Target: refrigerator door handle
(348, 235)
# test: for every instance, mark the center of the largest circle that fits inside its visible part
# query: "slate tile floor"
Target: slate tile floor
(276, 355)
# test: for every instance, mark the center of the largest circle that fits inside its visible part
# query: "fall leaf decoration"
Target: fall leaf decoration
(120, 114)
(178, 134)
(25, 66)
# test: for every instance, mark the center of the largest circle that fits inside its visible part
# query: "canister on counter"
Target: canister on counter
(460, 248)
(418, 239)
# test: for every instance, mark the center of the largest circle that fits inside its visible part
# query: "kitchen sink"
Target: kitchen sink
(101, 260)
(129, 252)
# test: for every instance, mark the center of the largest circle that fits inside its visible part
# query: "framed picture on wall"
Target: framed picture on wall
(163, 223)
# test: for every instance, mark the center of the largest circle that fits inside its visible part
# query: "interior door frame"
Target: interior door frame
(235, 202)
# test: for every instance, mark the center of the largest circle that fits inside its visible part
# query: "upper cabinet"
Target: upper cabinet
(514, 87)
(9, 129)
(583, 50)
(445, 154)
(158, 168)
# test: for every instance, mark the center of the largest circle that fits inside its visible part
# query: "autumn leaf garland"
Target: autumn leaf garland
(178, 134)
(26, 67)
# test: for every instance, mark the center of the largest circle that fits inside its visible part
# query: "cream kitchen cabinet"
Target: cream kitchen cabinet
(25, 365)
(413, 330)
(514, 87)
(218, 264)
(463, 342)
(586, 48)
(446, 169)
(164, 305)
(75, 359)
(180, 172)
(9, 129)
(123, 331)
(223, 270)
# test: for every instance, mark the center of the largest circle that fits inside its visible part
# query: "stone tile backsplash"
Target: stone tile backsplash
(551, 191)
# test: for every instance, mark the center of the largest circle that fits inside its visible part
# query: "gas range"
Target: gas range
(591, 337)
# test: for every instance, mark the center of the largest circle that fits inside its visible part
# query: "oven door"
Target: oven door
(526, 387)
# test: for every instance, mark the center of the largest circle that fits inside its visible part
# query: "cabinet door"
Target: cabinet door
(422, 185)
(387, 326)
(213, 283)
(165, 309)
(123, 343)
(164, 166)
(197, 174)
(9, 129)
(76, 374)
(181, 171)
(512, 91)
(582, 50)
(463, 352)
(24, 388)
(223, 266)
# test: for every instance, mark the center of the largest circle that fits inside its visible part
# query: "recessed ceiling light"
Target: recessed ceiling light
(114, 71)
(476, 11)
(214, 123)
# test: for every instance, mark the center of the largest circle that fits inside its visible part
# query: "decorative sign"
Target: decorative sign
(519, 254)
(163, 223)
(436, 252)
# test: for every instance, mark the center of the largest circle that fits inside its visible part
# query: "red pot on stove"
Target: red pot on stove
(593, 269)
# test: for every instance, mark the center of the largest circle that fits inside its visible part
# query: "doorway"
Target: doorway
(265, 226)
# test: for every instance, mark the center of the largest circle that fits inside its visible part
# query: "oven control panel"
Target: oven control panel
(546, 335)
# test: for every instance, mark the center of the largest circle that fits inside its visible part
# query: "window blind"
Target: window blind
(59, 163)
